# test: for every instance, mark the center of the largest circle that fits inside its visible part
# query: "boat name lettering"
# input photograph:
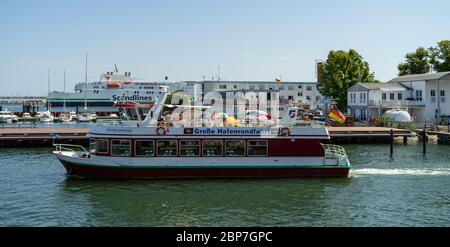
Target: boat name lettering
(119, 130)
(134, 97)
(230, 131)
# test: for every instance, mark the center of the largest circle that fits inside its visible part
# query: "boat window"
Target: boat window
(189, 148)
(132, 114)
(120, 147)
(257, 148)
(123, 114)
(167, 148)
(102, 146)
(235, 148)
(212, 148)
(144, 148)
(93, 145)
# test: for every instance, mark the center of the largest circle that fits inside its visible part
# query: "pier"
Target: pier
(442, 137)
(46, 136)
(356, 135)
(41, 137)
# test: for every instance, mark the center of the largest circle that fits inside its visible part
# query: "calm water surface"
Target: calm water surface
(410, 190)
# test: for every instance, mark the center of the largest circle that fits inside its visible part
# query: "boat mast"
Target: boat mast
(85, 85)
(64, 93)
(49, 106)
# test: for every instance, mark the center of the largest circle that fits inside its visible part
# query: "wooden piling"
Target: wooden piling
(424, 140)
(391, 133)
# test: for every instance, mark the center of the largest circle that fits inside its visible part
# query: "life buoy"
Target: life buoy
(285, 132)
(161, 131)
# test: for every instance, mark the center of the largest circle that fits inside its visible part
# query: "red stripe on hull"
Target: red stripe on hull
(176, 173)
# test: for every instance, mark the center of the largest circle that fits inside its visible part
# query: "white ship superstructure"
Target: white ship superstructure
(100, 96)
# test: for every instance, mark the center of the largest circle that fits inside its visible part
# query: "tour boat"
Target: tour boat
(143, 147)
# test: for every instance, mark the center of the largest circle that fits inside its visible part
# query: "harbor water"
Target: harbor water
(408, 190)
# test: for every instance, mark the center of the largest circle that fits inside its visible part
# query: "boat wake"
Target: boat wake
(405, 171)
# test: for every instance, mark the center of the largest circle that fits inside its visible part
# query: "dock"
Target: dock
(357, 135)
(442, 137)
(41, 137)
(47, 136)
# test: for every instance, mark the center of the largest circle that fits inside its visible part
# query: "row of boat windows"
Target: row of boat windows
(188, 148)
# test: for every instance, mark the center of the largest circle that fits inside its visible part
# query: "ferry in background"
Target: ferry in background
(101, 95)
(146, 146)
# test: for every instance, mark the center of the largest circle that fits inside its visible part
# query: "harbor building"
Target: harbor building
(424, 96)
(290, 93)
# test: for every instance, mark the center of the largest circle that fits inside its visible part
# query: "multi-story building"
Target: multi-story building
(290, 93)
(423, 96)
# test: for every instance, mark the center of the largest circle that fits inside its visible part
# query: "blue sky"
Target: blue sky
(186, 40)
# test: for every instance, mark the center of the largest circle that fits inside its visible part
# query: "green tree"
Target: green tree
(416, 63)
(440, 56)
(340, 71)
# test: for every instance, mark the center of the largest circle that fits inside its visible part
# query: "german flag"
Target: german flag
(337, 116)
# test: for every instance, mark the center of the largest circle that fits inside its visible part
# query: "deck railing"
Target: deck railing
(69, 147)
(334, 152)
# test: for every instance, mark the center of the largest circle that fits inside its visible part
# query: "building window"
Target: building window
(383, 96)
(189, 148)
(102, 146)
(419, 95)
(262, 87)
(308, 88)
(234, 86)
(222, 86)
(291, 88)
(300, 94)
(308, 98)
(235, 148)
(391, 96)
(360, 97)
(433, 93)
(144, 148)
(257, 148)
(290, 97)
(93, 145)
(399, 96)
(166, 148)
(252, 87)
(442, 93)
(120, 147)
(212, 148)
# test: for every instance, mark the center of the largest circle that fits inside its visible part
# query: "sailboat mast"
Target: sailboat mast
(64, 92)
(85, 85)
(49, 106)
